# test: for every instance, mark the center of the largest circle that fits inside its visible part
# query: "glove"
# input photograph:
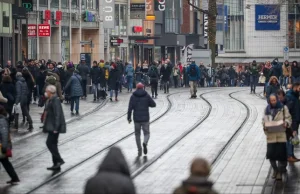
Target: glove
(129, 121)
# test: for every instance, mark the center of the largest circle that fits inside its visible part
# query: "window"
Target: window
(234, 26)
(54, 3)
(294, 26)
(43, 2)
(64, 3)
(74, 4)
(172, 17)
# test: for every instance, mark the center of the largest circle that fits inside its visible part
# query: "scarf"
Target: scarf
(270, 110)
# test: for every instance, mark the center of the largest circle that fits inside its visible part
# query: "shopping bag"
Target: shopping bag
(295, 140)
(17, 109)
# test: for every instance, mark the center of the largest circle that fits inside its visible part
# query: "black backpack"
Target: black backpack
(152, 72)
(193, 71)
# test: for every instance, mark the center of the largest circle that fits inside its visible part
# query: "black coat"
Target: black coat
(139, 103)
(113, 176)
(95, 74)
(8, 91)
(40, 81)
(55, 119)
(113, 80)
(295, 70)
(21, 91)
(293, 104)
(83, 71)
(276, 70)
(165, 72)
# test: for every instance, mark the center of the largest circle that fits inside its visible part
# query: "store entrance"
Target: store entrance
(148, 55)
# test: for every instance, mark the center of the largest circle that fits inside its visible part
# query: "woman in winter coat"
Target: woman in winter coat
(287, 73)
(9, 92)
(68, 75)
(276, 141)
(30, 84)
(113, 176)
(76, 91)
(113, 81)
(295, 69)
(6, 147)
(273, 87)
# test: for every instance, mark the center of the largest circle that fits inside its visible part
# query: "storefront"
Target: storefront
(6, 46)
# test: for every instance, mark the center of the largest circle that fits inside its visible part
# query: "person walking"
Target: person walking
(6, 147)
(232, 75)
(22, 99)
(153, 73)
(83, 71)
(54, 124)
(198, 181)
(114, 81)
(139, 103)
(286, 73)
(95, 74)
(276, 69)
(176, 75)
(254, 73)
(295, 72)
(75, 91)
(129, 72)
(276, 141)
(193, 73)
(273, 86)
(165, 73)
(8, 91)
(112, 177)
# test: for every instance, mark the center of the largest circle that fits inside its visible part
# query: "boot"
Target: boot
(292, 159)
(116, 99)
(274, 174)
(30, 128)
(279, 176)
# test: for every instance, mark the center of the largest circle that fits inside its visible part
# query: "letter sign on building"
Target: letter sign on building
(160, 5)
(267, 17)
(109, 14)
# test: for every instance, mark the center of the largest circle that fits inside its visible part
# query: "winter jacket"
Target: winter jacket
(62, 76)
(53, 79)
(113, 176)
(254, 70)
(138, 73)
(95, 74)
(129, 70)
(139, 103)
(120, 68)
(199, 185)
(279, 137)
(40, 81)
(272, 89)
(267, 73)
(54, 119)
(198, 75)
(165, 72)
(21, 91)
(4, 133)
(295, 69)
(153, 73)
(83, 71)
(113, 79)
(293, 104)
(75, 86)
(276, 69)
(286, 70)
(8, 92)
(33, 70)
(176, 72)
(232, 73)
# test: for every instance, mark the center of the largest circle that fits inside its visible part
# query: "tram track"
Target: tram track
(102, 150)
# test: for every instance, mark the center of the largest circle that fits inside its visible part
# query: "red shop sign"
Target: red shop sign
(31, 30)
(44, 30)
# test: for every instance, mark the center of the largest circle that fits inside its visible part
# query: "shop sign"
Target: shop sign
(137, 9)
(44, 30)
(116, 42)
(27, 4)
(109, 14)
(32, 30)
(267, 17)
(141, 41)
(205, 25)
(160, 5)
(137, 29)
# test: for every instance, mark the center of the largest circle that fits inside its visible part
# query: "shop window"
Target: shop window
(294, 25)
(74, 3)
(43, 2)
(64, 3)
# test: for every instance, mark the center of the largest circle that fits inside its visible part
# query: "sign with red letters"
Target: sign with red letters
(44, 30)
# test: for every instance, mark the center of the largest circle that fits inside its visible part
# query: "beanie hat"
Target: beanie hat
(140, 86)
(19, 74)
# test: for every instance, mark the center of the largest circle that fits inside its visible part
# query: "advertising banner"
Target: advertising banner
(220, 17)
(267, 17)
(225, 18)
(32, 30)
(44, 30)
(137, 9)
(109, 14)
(160, 5)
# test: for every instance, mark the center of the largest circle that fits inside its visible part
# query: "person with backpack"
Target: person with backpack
(193, 72)
(103, 79)
(154, 75)
(129, 71)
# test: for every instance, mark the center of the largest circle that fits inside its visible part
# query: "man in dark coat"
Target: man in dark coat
(139, 103)
(121, 70)
(21, 98)
(84, 72)
(113, 81)
(113, 176)
(276, 69)
(54, 124)
(95, 75)
(232, 75)
(154, 75)
(254, 74)
(165, 73)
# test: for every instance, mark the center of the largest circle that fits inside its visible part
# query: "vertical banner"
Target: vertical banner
(220, 17)
(109, 14)
(137, 9)
(205, 25)
(188, 52)
(225, 18)
(160, 5)
(149, 25)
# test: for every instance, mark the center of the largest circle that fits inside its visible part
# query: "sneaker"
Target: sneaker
(274, 174)
(77, 113)
(145, 148)
(56, 167)
(279, 176)
(72, 113)
(13, 182)
(110, 99)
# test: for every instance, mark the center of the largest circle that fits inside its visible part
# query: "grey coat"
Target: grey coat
(75, 84)
(113, 176)
(4, 134)
(55, 119)
(21, 91)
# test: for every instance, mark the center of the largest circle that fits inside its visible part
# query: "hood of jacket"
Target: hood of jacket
(22, 79)
(51, 80)
(291, 94)
(140, 93)
(197, 185)
(115, 162)
(273, 77)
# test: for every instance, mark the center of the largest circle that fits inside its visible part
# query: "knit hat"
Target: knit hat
(140, 86)
(19, 74)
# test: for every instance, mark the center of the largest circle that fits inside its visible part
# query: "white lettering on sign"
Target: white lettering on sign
(108, 9)
(205, 25)
(148, 5)
(161, 6)
(267, 18)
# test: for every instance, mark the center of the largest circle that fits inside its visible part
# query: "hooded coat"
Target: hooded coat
(295, 69)
(74, 84)
(53, 79)
(129, 70)
(139, 103)
(193, 78)
(113, 79)
(21, 91)
(293, 104)
(113, 176)
(272, 89)
(197, 185)
(276, 69)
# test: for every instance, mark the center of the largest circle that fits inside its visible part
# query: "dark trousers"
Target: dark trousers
(9, 169)
(175, 78)
(84, 83)
(154, 85)
(253, 82)
(51, 143)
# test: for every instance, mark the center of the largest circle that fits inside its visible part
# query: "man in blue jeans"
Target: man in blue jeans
(140, 102)
(75, 91)
(129, 72)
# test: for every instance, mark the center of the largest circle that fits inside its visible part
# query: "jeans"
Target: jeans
(286, 81)
(9, 169)
(253, 82)
(166, 86)
(84, 83)
(290, 148)
(154, 85)
(232, 82)
(129, 82)
(96, 88)
(112, 93)
(51, 143)
(193, 88)
(75, 99)
(145, 126)
(175, 78)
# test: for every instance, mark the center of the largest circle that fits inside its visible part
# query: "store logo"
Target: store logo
(267, 18)
(88, 16)
(161, 5)
(27, 6)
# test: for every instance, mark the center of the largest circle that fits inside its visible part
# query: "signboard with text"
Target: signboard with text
(44, 30)
(160, 5)
(109, 14)
(32, 30)
(137, 9)
(267, 17)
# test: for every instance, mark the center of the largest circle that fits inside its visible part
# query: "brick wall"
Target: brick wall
(185, 27)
